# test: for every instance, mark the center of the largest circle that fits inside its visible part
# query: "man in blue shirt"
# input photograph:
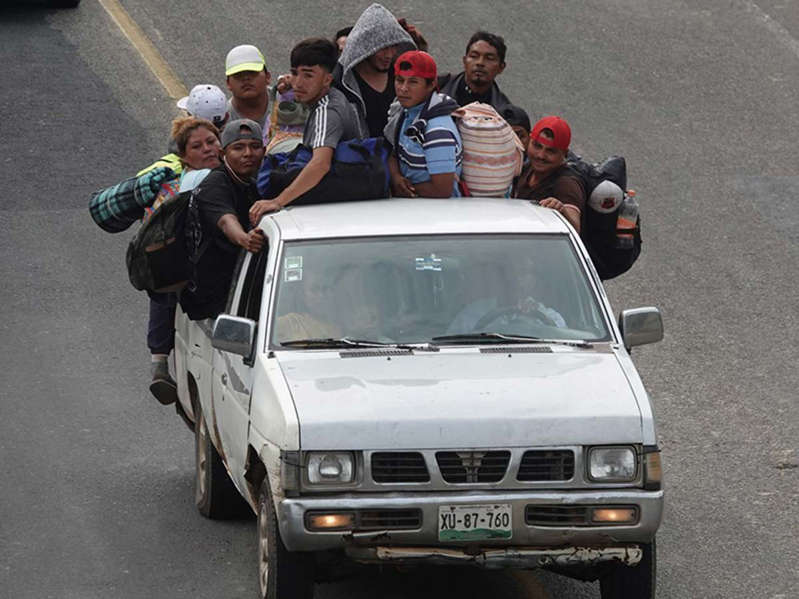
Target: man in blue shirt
(428, 151)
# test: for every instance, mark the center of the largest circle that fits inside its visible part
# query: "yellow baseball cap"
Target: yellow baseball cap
(244, 58)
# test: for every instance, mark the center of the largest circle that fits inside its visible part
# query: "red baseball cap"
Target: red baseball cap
(562, 133)
(415, 63)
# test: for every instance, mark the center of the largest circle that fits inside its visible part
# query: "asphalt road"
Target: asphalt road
(700, 96)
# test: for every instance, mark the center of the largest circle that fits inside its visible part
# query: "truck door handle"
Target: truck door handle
(224, 379)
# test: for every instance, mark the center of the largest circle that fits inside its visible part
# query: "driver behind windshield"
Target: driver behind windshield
(520, 313)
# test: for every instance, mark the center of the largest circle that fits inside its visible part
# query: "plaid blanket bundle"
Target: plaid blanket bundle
(117, 207)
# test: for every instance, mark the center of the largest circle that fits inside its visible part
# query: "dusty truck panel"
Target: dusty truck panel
(437, 382)
(564, 397)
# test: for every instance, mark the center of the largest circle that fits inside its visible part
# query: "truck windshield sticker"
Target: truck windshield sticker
(293, 262)
(292, 274)
(292, 269)
(429, 263)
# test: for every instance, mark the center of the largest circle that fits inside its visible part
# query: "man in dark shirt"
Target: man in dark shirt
(483, 61)
(548, 180)
(224, 199)
(332, 119)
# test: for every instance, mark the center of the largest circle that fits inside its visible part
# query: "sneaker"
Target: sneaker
(163, 386)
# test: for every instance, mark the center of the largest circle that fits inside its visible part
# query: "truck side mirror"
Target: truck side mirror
(640, 326)
(234, 334)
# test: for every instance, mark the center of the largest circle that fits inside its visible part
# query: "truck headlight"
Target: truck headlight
(331, 467)
(612, 464)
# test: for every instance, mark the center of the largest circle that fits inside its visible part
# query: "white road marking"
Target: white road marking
(152, 58)
(780, 33)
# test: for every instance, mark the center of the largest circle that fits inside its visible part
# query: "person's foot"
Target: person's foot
(163, 386)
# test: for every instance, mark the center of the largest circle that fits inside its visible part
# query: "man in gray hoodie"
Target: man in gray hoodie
(364, 70)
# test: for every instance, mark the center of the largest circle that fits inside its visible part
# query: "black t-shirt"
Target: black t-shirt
(377, 103)
(464, 95)
(217, 195)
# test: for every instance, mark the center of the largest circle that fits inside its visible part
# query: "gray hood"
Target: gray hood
(375, 29)
(461, 399)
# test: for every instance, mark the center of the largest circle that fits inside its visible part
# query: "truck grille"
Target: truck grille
(399, 467)
(473, 466)
(556, 515)
(389, 519)
(544, 465)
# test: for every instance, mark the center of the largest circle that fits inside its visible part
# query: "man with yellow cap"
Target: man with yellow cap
(248, 80)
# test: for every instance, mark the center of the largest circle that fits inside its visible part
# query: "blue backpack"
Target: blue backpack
(359, 172)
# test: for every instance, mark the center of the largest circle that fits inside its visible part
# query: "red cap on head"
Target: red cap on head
(415, 63)
(562, 133)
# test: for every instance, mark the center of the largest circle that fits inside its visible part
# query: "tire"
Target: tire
(282, 574)
(214, 493)
(636, 582)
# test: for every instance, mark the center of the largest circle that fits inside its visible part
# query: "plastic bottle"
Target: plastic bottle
(626, 221)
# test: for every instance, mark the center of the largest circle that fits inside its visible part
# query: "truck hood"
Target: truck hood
(461, 399)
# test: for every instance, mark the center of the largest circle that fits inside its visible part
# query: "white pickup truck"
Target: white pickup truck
(426, 381)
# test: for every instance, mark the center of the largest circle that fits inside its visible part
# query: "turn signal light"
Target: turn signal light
(615, 515)
(331, 521)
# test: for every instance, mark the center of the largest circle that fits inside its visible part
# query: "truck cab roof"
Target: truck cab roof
(416, 216)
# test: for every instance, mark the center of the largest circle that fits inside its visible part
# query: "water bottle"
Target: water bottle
(626, 221)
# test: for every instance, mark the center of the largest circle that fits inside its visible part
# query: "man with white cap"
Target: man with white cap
(206, 101)
(247, 80)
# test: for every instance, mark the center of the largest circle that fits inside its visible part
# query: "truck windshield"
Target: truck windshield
(413, 289)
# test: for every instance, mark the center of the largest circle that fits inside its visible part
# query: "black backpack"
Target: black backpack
(598, 227)
(163, 255)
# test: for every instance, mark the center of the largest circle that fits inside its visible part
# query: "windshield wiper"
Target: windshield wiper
(503, 338)
(348, 342)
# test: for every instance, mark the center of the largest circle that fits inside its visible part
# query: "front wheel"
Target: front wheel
(636, 582)
(214, 493)
(282, 574)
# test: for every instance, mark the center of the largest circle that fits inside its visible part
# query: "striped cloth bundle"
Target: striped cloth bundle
(116, 208)
(492, 154)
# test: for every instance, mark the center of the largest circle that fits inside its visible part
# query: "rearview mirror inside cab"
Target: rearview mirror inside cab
(234, 334)
(640, 326)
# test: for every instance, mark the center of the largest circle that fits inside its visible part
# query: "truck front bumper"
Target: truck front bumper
(530, 544)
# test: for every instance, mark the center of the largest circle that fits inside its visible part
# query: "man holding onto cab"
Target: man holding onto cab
(332, 119)
(547, 179)
(224, 198)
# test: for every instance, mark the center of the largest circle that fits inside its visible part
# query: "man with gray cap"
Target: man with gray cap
(224, 198)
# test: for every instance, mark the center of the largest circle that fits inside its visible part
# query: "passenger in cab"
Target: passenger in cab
(332, 119)
(483, 61)
(224, 198)
(364, 70)
(548, 180)
(248, 81)
(198, 149)
(428, 151)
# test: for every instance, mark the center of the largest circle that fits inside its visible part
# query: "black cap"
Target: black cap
(516, 116)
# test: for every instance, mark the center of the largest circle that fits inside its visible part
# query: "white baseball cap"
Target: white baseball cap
(205, 101)
(244, 58)
(606, 197)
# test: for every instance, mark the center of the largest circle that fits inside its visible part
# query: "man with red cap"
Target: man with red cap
(547, 179)
(428, 150)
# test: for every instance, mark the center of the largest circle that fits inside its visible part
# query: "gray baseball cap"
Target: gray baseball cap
(233, 131)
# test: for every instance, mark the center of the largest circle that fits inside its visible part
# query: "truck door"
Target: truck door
(233, 374)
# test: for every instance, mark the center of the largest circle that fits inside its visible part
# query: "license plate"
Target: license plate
(474, 522)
